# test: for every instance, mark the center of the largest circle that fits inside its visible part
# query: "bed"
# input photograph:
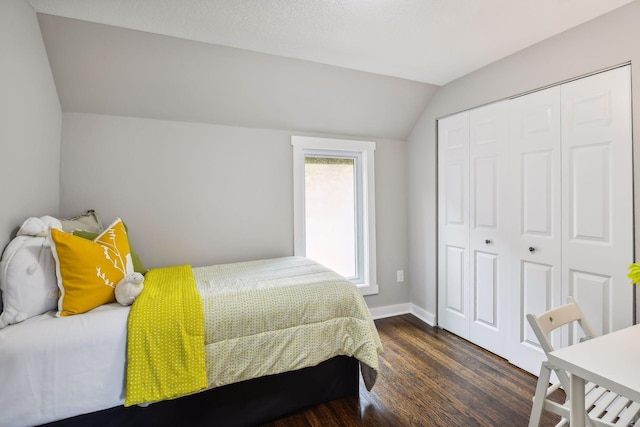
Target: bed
(280, 335)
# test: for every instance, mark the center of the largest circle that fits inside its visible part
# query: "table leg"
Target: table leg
(577, 402)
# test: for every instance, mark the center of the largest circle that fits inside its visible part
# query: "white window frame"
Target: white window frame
(365, 183)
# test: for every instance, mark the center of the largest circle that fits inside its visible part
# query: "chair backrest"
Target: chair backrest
(551, 320)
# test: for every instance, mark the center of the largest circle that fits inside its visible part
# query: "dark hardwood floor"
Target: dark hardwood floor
(429, 377)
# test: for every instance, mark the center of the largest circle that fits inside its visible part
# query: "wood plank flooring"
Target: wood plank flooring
(429, 377)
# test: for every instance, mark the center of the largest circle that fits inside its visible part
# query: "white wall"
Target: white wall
(606, 41)
(30, 121)
(205, 194)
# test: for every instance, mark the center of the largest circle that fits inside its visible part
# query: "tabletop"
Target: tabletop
(611, 360)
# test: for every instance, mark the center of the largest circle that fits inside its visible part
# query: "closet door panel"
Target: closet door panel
(590, 175)
(456, 205)
(455, 272)
(453, 224)
(535, 149)
(485, 184)
(488, 244)
(536, 172)
(597, 183)
(486, 289)
(537, 285)
(594, 291)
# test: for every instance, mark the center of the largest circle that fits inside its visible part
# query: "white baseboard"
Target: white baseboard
(424, 315)
(390, 310)
(399, 309)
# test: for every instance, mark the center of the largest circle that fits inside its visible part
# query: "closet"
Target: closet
(535, 203)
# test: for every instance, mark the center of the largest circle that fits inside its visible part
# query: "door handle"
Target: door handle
(487, 242)
(532, 249)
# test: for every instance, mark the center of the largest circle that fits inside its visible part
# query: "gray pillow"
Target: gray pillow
(88, 221)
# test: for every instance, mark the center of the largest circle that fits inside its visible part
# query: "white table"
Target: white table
(611, 360)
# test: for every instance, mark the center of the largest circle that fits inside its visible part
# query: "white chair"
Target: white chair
(603, 407)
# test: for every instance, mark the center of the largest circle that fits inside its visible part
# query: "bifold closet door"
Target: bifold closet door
(572, 180)
(597, 203)
(453, 224)
(472, 243)
(535, 203)
(488, 226)
(535, 158)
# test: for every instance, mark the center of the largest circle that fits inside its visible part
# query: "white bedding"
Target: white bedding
(56, 368)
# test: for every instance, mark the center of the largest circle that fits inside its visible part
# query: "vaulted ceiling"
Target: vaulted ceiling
(355, 67)
(430, 41)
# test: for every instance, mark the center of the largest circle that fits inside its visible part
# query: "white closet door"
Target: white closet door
(453, 224)
(566, 205)
(488, 244)
(535, 157)
(597, 245)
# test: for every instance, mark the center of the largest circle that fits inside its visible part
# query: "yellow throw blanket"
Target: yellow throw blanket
(165, 350)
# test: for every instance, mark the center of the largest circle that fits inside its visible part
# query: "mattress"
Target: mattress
(53, 368)
(262, 317)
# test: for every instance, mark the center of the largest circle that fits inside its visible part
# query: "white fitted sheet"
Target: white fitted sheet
(53, 368)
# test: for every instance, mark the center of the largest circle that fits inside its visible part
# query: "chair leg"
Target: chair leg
(541, 395)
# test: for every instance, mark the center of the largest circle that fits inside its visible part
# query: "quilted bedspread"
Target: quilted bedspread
(271, 316)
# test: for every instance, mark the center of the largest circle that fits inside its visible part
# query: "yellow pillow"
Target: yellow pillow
(88, 271)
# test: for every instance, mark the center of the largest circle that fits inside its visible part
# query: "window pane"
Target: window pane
(330, 213)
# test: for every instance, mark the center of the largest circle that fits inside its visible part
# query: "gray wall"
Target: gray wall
(103, 69)
(606, 41)
(30, 121)
(203, 193)
(205, 202)
(190, 143)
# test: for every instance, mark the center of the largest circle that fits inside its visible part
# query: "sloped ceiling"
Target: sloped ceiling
(103, 69)
(364, 68)
(430, 41)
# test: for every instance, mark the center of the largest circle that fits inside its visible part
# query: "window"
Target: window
(334, 206)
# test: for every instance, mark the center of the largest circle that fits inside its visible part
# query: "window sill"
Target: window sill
(368, 289)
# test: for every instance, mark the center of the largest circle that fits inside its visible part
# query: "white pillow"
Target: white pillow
(27, 273)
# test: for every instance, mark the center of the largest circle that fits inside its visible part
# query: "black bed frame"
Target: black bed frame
(248, 403)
